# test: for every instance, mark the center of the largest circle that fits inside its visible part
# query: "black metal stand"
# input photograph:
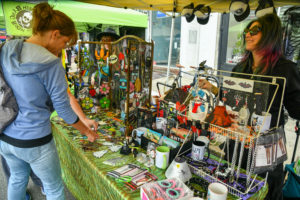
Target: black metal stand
(297, 130)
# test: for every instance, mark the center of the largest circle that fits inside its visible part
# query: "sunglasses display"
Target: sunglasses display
(253, 31)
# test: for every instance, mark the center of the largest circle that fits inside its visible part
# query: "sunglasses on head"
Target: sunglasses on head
(252, 31)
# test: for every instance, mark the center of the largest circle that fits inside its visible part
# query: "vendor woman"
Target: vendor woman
(263, 56)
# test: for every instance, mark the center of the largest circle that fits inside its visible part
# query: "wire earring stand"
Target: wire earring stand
(239, 137)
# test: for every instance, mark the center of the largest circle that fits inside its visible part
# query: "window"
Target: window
(161, 31)
(235, 39)
(192, 36)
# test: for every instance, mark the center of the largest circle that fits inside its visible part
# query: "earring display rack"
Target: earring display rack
(116, 76)
(245, 101)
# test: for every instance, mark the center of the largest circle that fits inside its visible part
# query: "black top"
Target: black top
(283, 68)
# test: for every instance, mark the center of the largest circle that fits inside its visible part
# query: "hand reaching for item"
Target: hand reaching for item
(91, 135)
(92, 124)
(205, 84)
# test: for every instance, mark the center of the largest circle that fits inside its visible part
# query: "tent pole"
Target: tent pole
(150, 26)
(171, 44)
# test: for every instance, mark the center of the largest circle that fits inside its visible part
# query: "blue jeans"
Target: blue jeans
(43, 160)
(36, 180)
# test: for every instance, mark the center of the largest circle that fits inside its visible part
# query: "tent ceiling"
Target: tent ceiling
(167, 5)
(85, 14)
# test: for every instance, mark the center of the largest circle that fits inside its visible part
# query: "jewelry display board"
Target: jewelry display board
(116, 76)
(240, 112)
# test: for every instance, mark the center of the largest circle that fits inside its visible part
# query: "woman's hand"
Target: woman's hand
(91, 135)
(205, 84)
(87, 127)
(92, 124)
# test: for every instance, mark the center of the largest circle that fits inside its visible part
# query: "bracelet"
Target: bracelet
(172, 193)
(201, 183)
(165, 184)
(181, 191)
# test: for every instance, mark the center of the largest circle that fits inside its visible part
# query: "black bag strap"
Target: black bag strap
(1, 45)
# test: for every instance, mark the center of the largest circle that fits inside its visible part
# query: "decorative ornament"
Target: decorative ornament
(101, 62)
(104, 103)
(196, 105)
(180, 116)
(123, 83)
(87, 103)
(102, 54)
(92, 92)
(105, 70)
(237, 98)
(224, 99)
(104, 89)
(131, 87)
(219, 117)
(138, 85)
(113, 59)
(121, 59)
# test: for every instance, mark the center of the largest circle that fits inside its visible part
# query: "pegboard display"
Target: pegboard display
(116, 76)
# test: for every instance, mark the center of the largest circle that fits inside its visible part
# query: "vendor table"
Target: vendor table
(85, 175)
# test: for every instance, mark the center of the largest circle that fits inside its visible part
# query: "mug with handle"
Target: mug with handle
(217, 191)
(162, 157)
(198, 150)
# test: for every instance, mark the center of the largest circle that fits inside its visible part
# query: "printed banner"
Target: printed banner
(18, 17)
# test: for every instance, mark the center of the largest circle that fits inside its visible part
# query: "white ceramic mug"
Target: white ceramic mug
(162, 157)
(198, 150)
(203, 139)
(217, 191)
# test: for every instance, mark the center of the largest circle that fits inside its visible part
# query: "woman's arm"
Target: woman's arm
(78, 110)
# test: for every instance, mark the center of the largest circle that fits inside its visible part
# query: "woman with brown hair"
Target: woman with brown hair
(263, 55)
(34, 71)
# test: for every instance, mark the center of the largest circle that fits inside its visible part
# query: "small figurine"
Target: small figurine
(244, 114)
(134, 150)
(125, 150)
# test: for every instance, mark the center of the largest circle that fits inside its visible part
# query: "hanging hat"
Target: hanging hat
(108, 32)
(187, 11)
(202, 13)
(265, 7)
(240, 9)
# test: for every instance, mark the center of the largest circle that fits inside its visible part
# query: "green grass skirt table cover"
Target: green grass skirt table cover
(85, 175)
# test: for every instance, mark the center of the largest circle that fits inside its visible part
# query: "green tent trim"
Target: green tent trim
(87, 15)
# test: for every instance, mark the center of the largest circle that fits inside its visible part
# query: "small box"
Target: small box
(169, 189)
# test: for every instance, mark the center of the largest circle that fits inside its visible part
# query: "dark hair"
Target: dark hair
(45, 18)
(270, 44)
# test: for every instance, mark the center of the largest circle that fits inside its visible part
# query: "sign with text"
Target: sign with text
(18, 17)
